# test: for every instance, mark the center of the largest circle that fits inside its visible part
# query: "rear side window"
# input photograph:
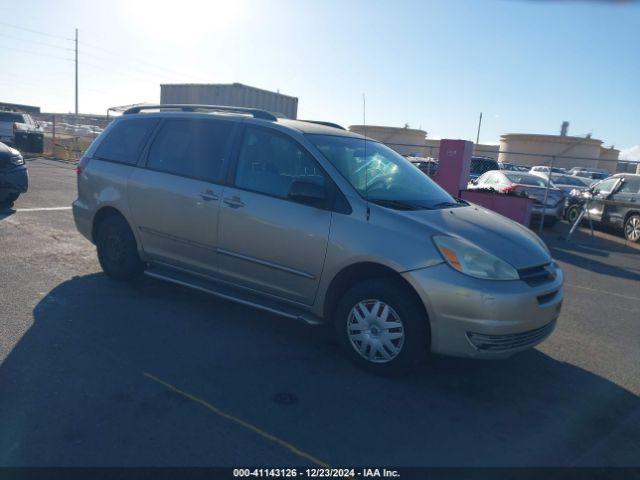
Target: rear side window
(191, 148)
(630, 185)
(125, 141)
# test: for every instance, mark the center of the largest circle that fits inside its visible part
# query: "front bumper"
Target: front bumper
(482, 318)
(15, 180)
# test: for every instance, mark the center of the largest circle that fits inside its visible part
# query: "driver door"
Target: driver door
(266, 241)
(597, 207)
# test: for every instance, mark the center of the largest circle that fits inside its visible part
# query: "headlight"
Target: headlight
(471, 260)
(16, 160)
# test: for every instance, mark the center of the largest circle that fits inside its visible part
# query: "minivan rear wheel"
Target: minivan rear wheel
(632, 228)
(382, 327)
(117, 249)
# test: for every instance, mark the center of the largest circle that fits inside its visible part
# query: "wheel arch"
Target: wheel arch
(357, 272)
(101, 215)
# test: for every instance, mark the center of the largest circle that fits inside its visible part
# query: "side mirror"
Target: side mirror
(306, 191)
(474, 181)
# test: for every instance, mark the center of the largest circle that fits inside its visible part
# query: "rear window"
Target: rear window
(11, 117)
(482, 165)
(125, 141)
(532, 180)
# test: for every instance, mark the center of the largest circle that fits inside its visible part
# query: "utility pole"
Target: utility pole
(76, 74)
(479, 125)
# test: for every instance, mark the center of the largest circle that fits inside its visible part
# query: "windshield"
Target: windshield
(381, 175)
(532, 180)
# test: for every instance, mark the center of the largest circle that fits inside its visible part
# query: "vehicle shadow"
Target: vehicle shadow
(585, 251)
(75, 393)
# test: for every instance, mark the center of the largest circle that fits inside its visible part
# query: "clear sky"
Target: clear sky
(528, 65)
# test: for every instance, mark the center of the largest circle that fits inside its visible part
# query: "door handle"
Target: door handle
(234, 202)
(208, 196)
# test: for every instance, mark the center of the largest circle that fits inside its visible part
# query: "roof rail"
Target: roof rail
(256, 112)
(326, 124)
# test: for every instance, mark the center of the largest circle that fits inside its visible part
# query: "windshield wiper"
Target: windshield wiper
(397, 204)
(457, 203)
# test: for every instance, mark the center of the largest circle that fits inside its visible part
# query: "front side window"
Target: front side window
(191, 148)
(269, 163)
(606, 186)
(125, 141)
(381, 175)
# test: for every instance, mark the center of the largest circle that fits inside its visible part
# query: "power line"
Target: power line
(36, 42)
(138, 60)
(38, 53)
(38, 32)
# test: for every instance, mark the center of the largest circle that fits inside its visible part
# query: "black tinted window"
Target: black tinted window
(191, 148)
(11, 117)
(125, 141)
(482, 165)
(270, 162)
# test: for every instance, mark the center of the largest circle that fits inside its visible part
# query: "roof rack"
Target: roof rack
(256, 112)
(326, 124)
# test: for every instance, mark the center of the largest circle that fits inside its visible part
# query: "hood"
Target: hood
(504, 238)
(7, 152)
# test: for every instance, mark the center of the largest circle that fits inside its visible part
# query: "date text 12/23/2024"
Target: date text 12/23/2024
(315, 473)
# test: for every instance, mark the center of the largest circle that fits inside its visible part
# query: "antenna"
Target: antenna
(366, 165)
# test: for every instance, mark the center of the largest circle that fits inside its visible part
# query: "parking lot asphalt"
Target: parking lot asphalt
(99, 373)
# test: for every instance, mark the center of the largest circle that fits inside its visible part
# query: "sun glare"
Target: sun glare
(185, 21)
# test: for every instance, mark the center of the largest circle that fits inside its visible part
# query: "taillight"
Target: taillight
(82, 164)
(510, 188)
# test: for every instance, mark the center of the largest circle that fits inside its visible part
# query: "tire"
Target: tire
(632, 228)
(369, 300)
(9, 200)
(117, 249)
(573, 212)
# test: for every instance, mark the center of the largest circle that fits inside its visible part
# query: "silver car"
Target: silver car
(317, 224)
(550, 202)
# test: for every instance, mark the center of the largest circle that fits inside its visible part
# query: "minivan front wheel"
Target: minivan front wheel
(382, 327)
(117, 249)
(632, 228)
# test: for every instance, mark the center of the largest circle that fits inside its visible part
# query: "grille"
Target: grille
(535, 276)
(502, 343)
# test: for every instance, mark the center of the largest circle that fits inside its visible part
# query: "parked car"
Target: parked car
(525, 184)
(426, 165)
(12, 122)
(544, 170)
(512, 167)
(480, 165)
(615, 202)
(591, 173)
(317, 224)
(14, 179)
(569, 183)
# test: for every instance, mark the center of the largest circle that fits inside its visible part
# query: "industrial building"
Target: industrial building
(410, 141)
(234, 94)
(520, 148)
(565, 151)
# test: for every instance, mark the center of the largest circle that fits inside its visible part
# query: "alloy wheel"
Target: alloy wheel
(632, 229)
